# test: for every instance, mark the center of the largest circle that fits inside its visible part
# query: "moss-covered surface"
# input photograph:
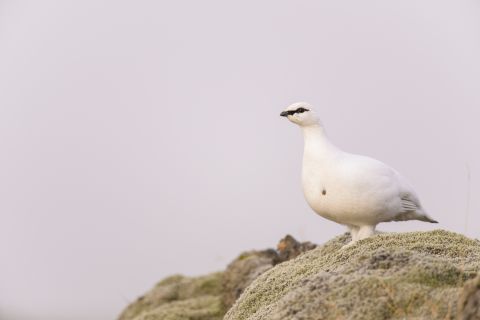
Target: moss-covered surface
(417, 275)
(200, 308)
(241, 272)
(208, 297)
(180, 298)
(469, 302)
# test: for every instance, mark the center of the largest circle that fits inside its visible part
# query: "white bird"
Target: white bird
(353, 190)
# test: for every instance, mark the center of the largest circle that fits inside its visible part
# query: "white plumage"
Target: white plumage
(356, 191)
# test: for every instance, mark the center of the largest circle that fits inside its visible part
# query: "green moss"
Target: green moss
(202, 308)
(170, 280)
(440, 277)
(417, 275)
(244, 256)
(388, 276)
(210, 285)
(192, 294)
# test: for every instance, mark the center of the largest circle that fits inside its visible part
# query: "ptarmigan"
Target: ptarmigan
(356, 191)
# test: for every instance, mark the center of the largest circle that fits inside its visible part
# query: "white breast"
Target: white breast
(346, 188)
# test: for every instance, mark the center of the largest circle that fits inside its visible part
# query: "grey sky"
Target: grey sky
(141, 139)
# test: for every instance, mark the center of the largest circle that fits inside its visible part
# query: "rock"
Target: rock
(200, 308)
(243, 270)
(249, 265)
(469, 303)
(180, 298)
(208, 297)
(289, 248)
(417, 275)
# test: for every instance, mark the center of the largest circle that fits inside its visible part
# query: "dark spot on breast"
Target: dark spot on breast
(324, 192)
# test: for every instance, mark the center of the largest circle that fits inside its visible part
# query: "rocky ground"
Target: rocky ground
(417, 275)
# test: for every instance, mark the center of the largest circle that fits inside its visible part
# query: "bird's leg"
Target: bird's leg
(365, 232)
(353, 232)
(359, 233)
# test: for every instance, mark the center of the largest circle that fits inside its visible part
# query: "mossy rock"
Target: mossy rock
(469, 303)
(201, 308)
(417, 275)
(180, 298)
(242, 271)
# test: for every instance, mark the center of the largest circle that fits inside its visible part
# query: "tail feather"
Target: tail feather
(423, 216)
(414, 215)
(426, 219)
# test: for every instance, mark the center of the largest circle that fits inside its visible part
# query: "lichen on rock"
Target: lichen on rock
(208, 297)
(251, 264)
(415, 275)
(178, 297)
(389, 276)
(200, 308)
(243, 270)
(469, 303)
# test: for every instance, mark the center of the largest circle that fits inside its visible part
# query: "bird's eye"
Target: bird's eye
(301, 110)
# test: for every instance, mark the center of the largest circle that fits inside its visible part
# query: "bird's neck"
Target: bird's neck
(317, 145)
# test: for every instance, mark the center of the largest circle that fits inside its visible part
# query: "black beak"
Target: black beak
(284, 114)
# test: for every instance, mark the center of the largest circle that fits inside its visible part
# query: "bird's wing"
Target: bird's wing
(408, 198)
(410, 202)
(412, 210)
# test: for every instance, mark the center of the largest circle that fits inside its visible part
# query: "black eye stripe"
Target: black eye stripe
(299, 110)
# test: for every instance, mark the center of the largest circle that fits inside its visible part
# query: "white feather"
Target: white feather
(350, 189)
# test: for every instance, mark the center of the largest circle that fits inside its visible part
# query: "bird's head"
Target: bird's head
(301, 113)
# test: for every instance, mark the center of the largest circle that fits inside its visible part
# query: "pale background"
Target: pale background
(143, 138)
